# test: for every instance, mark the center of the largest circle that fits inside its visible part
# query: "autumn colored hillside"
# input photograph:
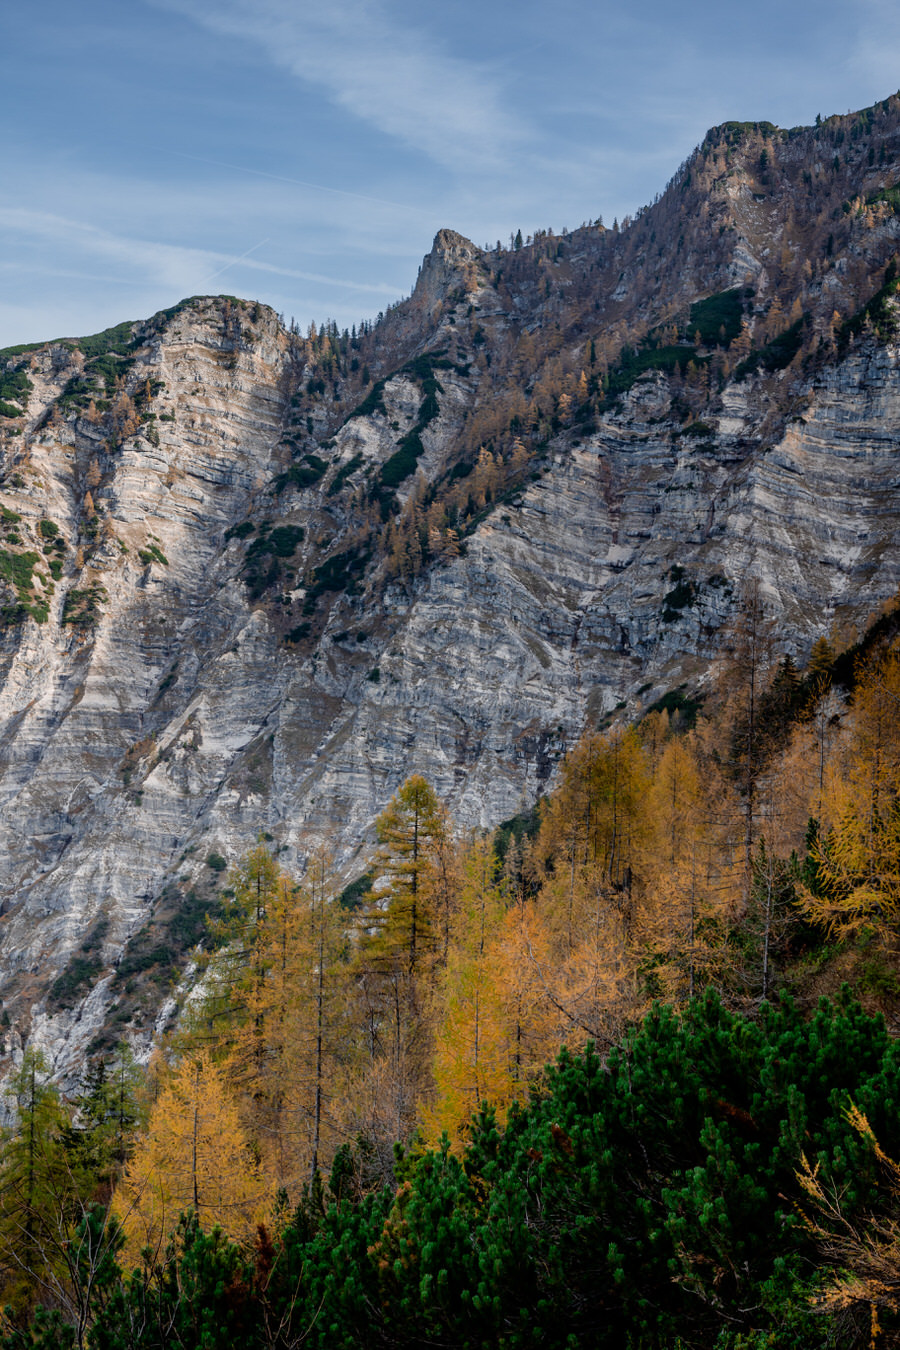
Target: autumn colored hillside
(701, 880)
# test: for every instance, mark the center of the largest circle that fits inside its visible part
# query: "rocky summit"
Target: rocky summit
(252, 579)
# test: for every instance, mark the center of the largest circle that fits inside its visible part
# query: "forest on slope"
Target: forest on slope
(354, 1138)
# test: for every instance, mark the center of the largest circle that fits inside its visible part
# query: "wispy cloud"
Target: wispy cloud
(167, 264)
(301, 182)
(391, 76)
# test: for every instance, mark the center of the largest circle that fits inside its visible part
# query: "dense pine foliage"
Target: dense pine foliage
(648, 1200)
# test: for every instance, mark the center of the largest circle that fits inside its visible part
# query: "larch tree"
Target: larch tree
(273, 1014)
(681, 916)
(591, 848)
(394, 964)
(314, 1025)
(857, 852)
(596, 816)
(410, 827)
(237, 970)
(472, 1053)
(194, 1156)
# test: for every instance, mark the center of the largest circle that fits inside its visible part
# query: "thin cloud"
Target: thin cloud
(301, 182)
(168, 264)
(390, 76)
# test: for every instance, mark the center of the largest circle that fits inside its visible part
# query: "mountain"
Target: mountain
(253, 579)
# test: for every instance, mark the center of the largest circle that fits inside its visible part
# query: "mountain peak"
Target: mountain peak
(445, 267)
(454, 247)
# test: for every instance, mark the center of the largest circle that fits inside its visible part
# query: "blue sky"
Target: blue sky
(305, 154)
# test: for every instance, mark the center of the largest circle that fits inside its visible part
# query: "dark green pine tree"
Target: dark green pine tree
(39, 1191)
(107, 1114)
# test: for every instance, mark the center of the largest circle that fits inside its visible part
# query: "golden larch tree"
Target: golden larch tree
(195, 1156)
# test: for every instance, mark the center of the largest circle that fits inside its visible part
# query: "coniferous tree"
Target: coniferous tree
(194, 1156)
(857, 853)
(41, 1191)
(473, 1048)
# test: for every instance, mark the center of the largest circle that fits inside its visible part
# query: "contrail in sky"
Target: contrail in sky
(300, 182)
(234, 262)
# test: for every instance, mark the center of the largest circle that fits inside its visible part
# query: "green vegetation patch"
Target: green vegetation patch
(152, 554)
(81, 607)
(718, 318)
(17, 569)
(342, 572)
(78, 975)
(155, 956)
(353, 896)
(679, 701)
(15, 387)
(242, 531)
(344, 473)
(373, 402)
(264, 562)
(282, 541)
(77, 395)
(190, 924)
(402, 463)
(510, 832)
(108, 358)
(23, 348)
(119, 339)
(734, 132)
(696, 429)
(303, 474)
(81, 970)
(158, 950)
(891, 195)
(109, 368)
(776, 355)
(143, 954)
(634, 362)
(681, 596)
(298, 633)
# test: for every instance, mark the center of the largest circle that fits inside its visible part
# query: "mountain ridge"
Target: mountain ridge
(254, 578)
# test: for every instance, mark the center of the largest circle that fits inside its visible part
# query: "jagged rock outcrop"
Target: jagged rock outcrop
(254, 599)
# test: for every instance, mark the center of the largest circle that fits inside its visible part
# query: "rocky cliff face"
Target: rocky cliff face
(244, 593)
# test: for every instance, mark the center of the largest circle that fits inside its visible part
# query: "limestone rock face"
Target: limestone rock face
(442, 267)
(205, 646)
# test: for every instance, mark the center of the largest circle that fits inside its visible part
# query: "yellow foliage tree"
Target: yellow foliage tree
(273, 1013)
(597, 814)
(472, 1051)
(682, 916)
(857, 853)
(194, 1155)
